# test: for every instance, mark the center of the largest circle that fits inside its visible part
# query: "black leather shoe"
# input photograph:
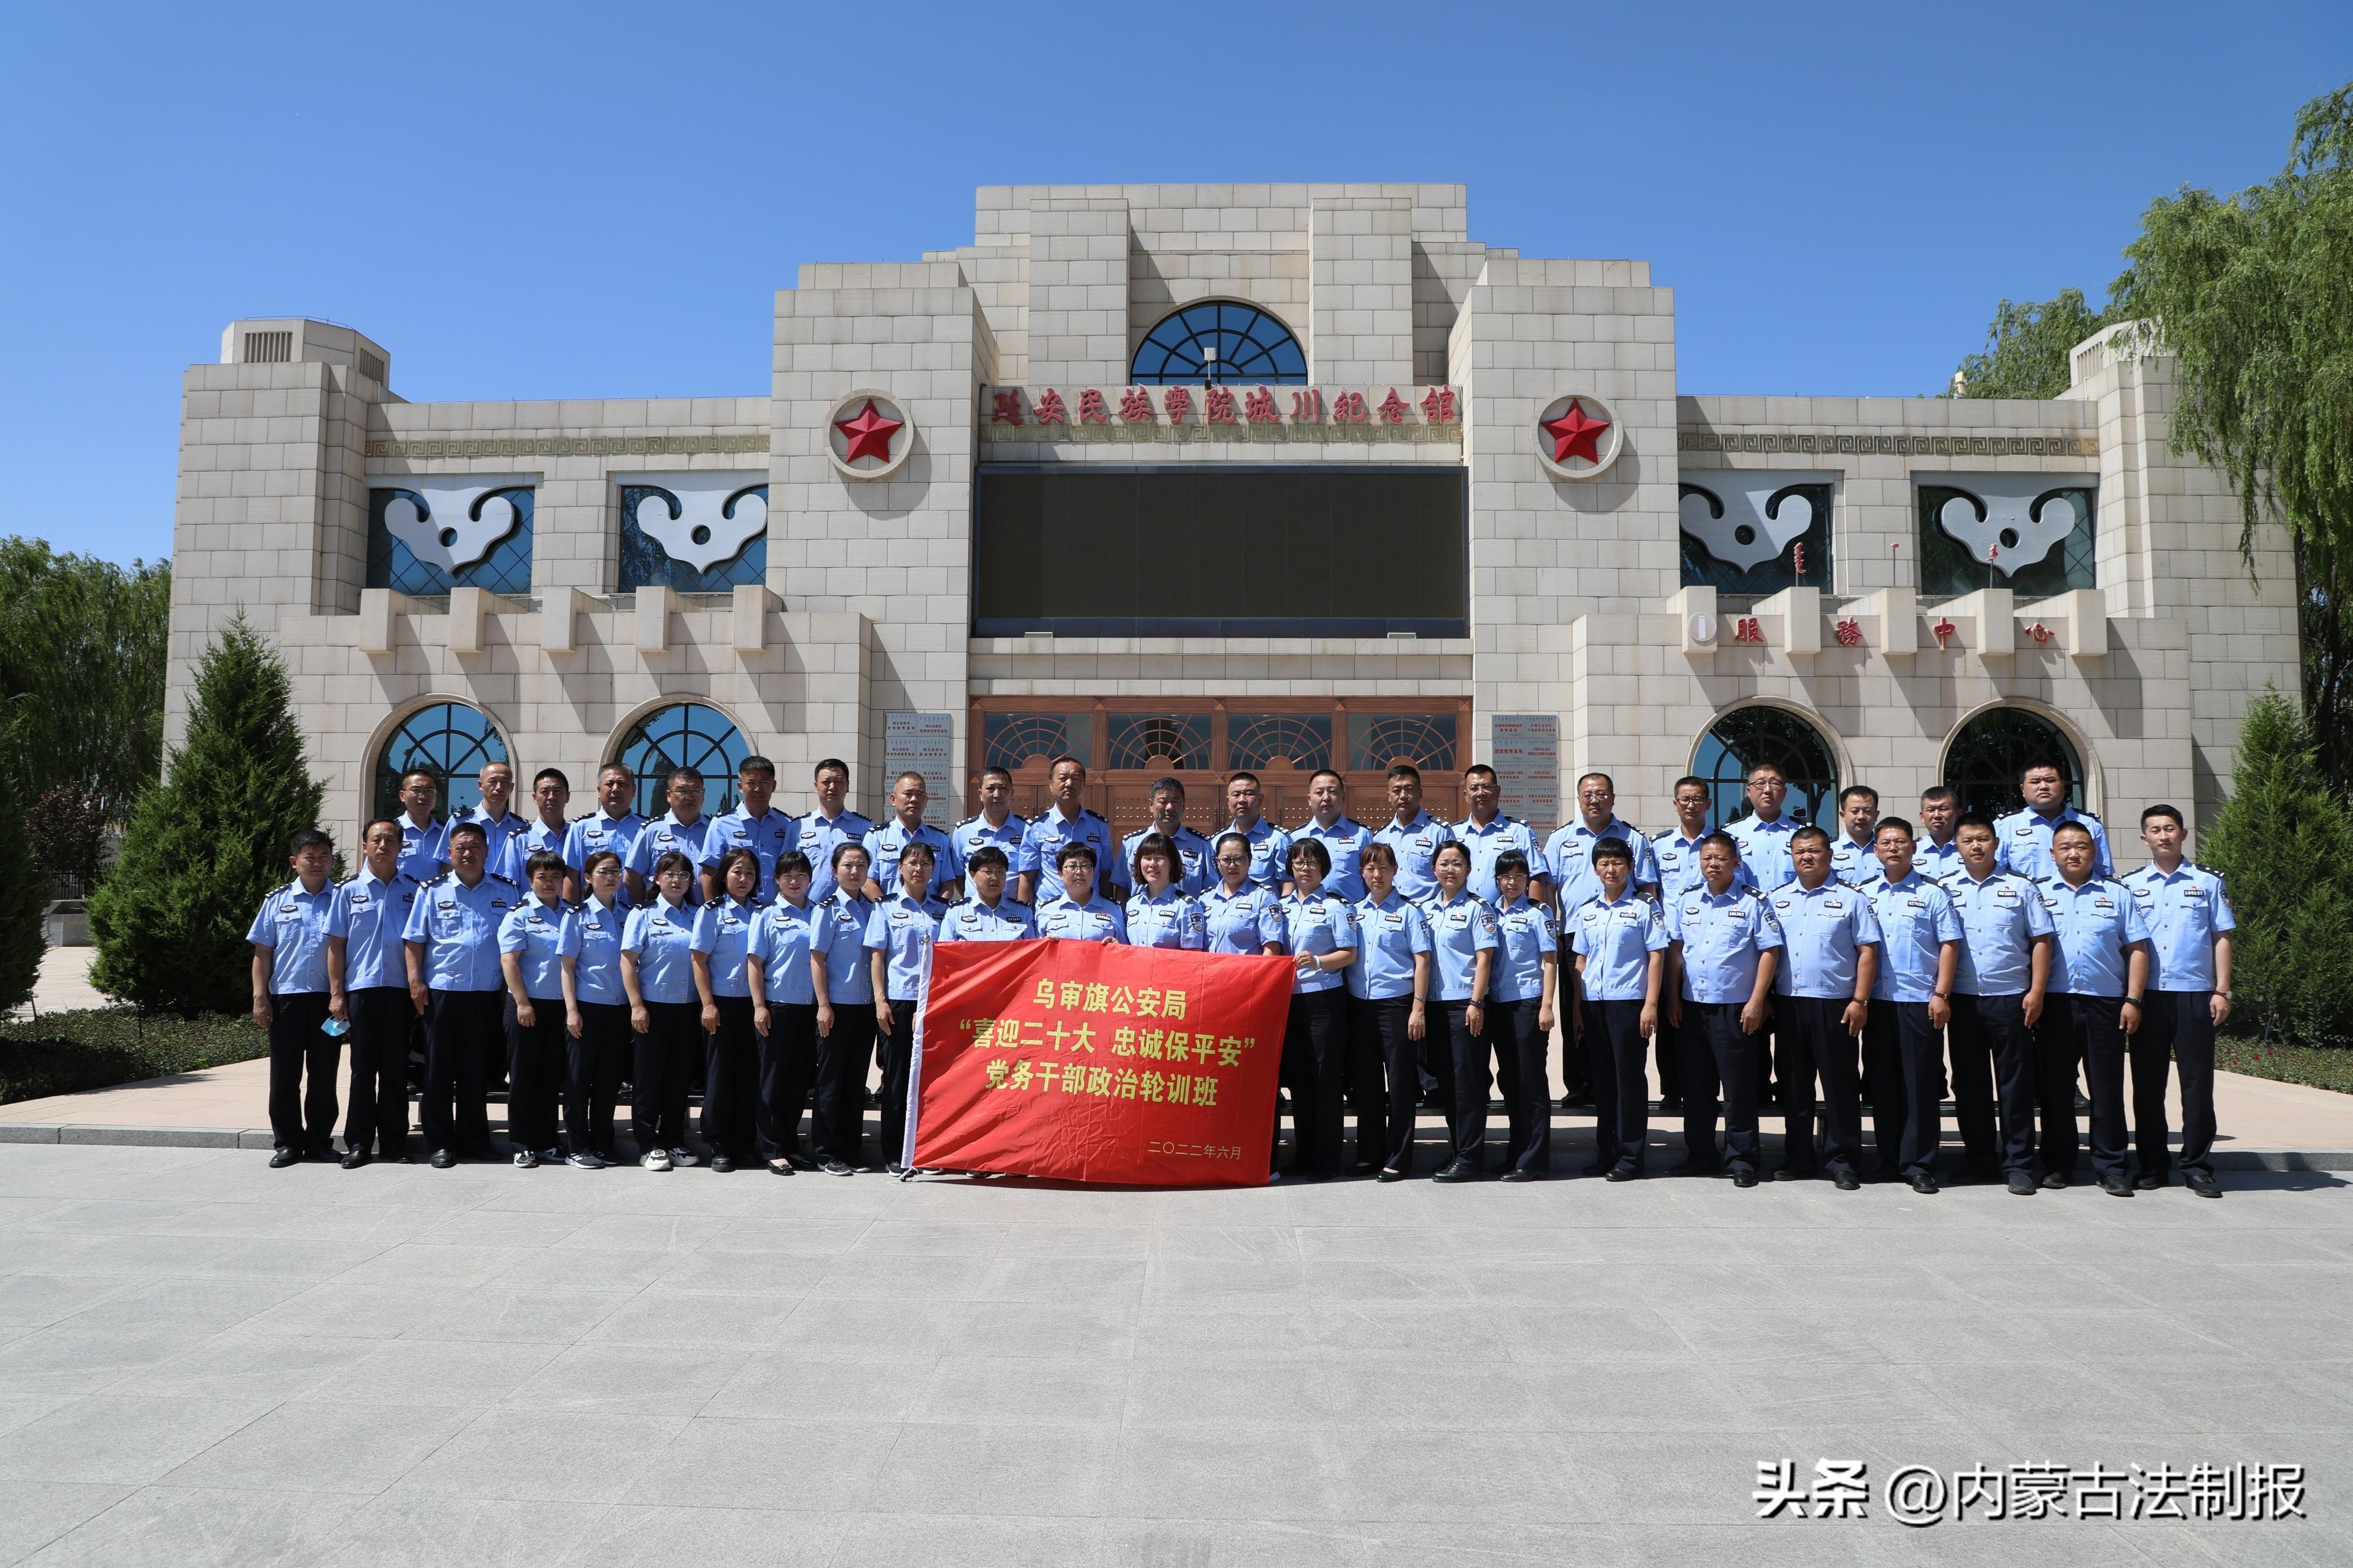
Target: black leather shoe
(1599, 1168)
(442, 1159)
(1389, 1175)
(721, 1164)
(1672, 1105)
(1623, 1173)
(1692, 1168)
(2021, 1183)
(2202, 1183)
(2147, 1182)
(1744, 1177)
(2114, 1186)
(1923, 1183)
(282, 1158)
(354, 1160)
(2057, 1181)
(1577, 1099)
(1847, 1181)
(1516, 1174)
(1456, 1171)
(1790, 1173)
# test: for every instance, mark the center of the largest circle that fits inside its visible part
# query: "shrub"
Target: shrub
(66, 1053)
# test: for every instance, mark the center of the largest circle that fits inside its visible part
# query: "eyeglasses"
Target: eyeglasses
(1233, 859)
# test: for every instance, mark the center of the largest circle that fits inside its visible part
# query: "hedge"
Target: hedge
(2320, 1066)
(65, 1053)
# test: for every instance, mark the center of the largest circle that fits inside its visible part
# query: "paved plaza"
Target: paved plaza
(205, 1362)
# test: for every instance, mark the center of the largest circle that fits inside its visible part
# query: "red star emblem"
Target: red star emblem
(869, 434)
(1576, 434)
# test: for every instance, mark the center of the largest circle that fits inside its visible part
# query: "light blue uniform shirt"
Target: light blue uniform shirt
(2184, 912)
(1345, 841)
(904, 928)
(1915, 920)
(662, 936)
(882, 846)
(1855, 864)
(1172, 919)
(596, 831)
(1823, 932)
(1242, 922)
(597, 974)
(1937, 862)
(1043, 839)
(424, 850)
(459, 927)
(1270, 852)
(1319, 922)
(2025, 839)
(1764, 848)
(1568, 865)
(1722, 935)
(1194, 876)
(1677, 858)
(1523, 934)
(780, 941)
(1487, 844)
(817, 837)
(657, 838)
(542, 936)
(1617, 939)
(2000, 917)
(1004, 920)
(512, 857)
(975, 832)
(497, 833)
(1388, 933)
(1415, 843)
(370, 916)
(1089, 922)
(723, 934)
(767, 836)
(1461, 927)
(2094, 925)
(293, 925)
(838, 936)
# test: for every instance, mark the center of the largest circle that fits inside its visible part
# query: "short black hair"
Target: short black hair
(683, 771)
(833, 764)
(2147, 812)
(1973, 819)
(745, 853)
(1511, 860)
(1895, 822)
(375, 822)
(1075, 851)
(985, 856)
(544, 775)
(1809, 831)
(589, 866)
(2073, 827)
(308, 837)
(794, 860)
(917, 846)
(844, 847)
(427, 775)
(1613, 848)
(1851, 791)
(1160, 843)
(678, 858)
(459, 829)
(2053, 764)
(755, 763)
(994, 771)
(1939, 792)
(1404, 771)
(1727, 839)
(1311, 850)
(1692, 781)
(543, 860)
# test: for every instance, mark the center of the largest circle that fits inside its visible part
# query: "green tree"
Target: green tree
(207, 843)
(2026, 348)
(83, 647)
(23, 888)
(2254, 293)
(2285, 850)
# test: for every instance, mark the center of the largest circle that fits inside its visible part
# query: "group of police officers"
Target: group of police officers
(1773, 967)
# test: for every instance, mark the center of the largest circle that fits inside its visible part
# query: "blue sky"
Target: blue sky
(597, 201)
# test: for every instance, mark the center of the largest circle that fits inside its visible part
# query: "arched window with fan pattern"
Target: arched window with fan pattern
(1740, 740)
(1180, 741)
(1255, 741)
(452, 740)
(1219, 340)
(685, 734)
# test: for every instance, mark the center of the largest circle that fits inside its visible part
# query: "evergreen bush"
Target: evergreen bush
(23, 887)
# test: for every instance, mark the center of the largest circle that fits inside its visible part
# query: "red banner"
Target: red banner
(1086, 1062)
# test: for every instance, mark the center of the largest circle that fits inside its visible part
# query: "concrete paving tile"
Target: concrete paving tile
(338, 1445)
(216, 1304)
(851, 1276)
(499, 1228)
(744, 1462)
(1086, 1327)
(537, 1453)
(650, 1232)
(1252, 1328)
(40, 1512)
(359, 1309)
(1274, 1474)
(1050, 1391)
(566, 1270)
(1350, 1279)
(628, 1532)
(1060, 1471)
(468, 1374)
(1454, 1330)
(1720, 1335)
(244, 1363)
(804, 1238)
(625, 1381)
(1535, 1331)
(1425, 1395)
(661, 1316)
(1802, 1546)
(1845, 1396)
(2039, 1399)
(72, 1357)
(1225, 1242)
(969, 1541)
(495, 1313)
(181, 1527)
(1216, 1395)
(1046, 1239)
(849, 1395)
(469, 1532)
(1482, 1478)
(32, 1300)
(438, 1263)
(1056, 1278)
(931, 1239)
(1232, 1543)
(852, 1328)
(778, 1276)
(120, 1440)
(1622, 1397)
(1641, 1475)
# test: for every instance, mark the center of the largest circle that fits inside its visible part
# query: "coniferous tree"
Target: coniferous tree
(208, 844)
(23, 887)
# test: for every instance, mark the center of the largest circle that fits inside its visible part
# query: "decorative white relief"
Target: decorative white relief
(1746, 517)
(460, 520)
(716, 515)
(2007, 522)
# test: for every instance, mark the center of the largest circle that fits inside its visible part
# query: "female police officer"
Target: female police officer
(658, 971)
(723, 939)
(784, 1010)
(539, 943)
(1462, 941)
(1320, 933)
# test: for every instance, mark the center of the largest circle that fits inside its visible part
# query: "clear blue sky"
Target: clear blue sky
(596, 200)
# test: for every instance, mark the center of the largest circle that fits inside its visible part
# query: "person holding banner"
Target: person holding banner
(658, 971)
(1080, 914)
(1620, 942)
(1462, 941)
(1389, 992)
(784, 1010)
(900, 936)
(1526, 980)
(1320, 934)
(1237, 914)
(840, 978)
(989, 915)
(1161, 914)
(723, 945)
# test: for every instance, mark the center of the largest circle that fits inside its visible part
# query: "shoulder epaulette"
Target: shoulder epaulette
(442, 877)
(968, 821)
(2088, 815)
(494, 877)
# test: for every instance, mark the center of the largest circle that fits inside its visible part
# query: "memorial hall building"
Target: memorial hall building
(1187, 478)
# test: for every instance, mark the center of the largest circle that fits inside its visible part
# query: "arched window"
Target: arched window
(1744, 737)
(450, 739)
(684, 735)
(1219, 340)
(1985, 759)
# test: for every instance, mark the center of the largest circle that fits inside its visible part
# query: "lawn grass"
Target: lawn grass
(65, 1053)
(2321, 1066)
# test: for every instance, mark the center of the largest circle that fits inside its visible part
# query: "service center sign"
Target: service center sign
(1087, 1062)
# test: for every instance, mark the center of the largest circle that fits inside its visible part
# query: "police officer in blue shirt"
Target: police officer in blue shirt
(1762, 836)
(1161, 913)
(599, 1058)
(723, 983)
(989, 915)
(1997, 995)
(995, 823)
(1320, 935)
(753, 824)
(682, 828)
(1064, 822)
(1525, 987)
(1854, 859)
(496, 781)
(1389, 1016)
(539, 946)
(1723, 948)
(658, 971)
(367, 980)
(2026, 833)
(900, 936)
(1567, 873)
(614, 825)
(1620, 942)
(1344, 838)
(1239, 915)
(424, 843)
(830, 824)
(1462, 943)
(551, 794)
(1269, 844)
(454, 978)
(1412, 834)
(1080, 914)
(844, 983)
(1830, 958)
(291, 998)
(909, 795)
(783, 1012)
(1676, 852)
(1194, 874)
(2190, 923)
(2099, 983)
(1938, 854)
(1911, 1003)
(1486, 832)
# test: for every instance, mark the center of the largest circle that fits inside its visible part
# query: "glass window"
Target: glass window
(450, 741)
(1219, 340)
(645, 563)
(1255, 741)
(1016, 741)
(1985, 759)
(1755, 538)
(1160, 741)
(505, 569)
(689, 736)
(1376, 741)
(1744, 737)
(2019, 531)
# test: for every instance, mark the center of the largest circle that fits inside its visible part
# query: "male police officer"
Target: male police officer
(1998, 992)
(1567, 873)
(1342, 839)
(682, 828)
(367, 975)
(1853, 853)
(290, 996)
(1723, 948)
(2099, 981)
(2026, 833)
(614, 825)
(1195, 875)
(1911, 1002)
(1937, 855)
(454, 979)
(908, 794)
(2190, 923)
(1269, 844)
(1064, 822)
(1487, 832)
(497, 782)
(1764, 835)
(996, 824)
(424, 843)
(753, 824)
(826, 826)
(1830, 956)
(1412, 834)
(551, 792)
(1676, 852)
